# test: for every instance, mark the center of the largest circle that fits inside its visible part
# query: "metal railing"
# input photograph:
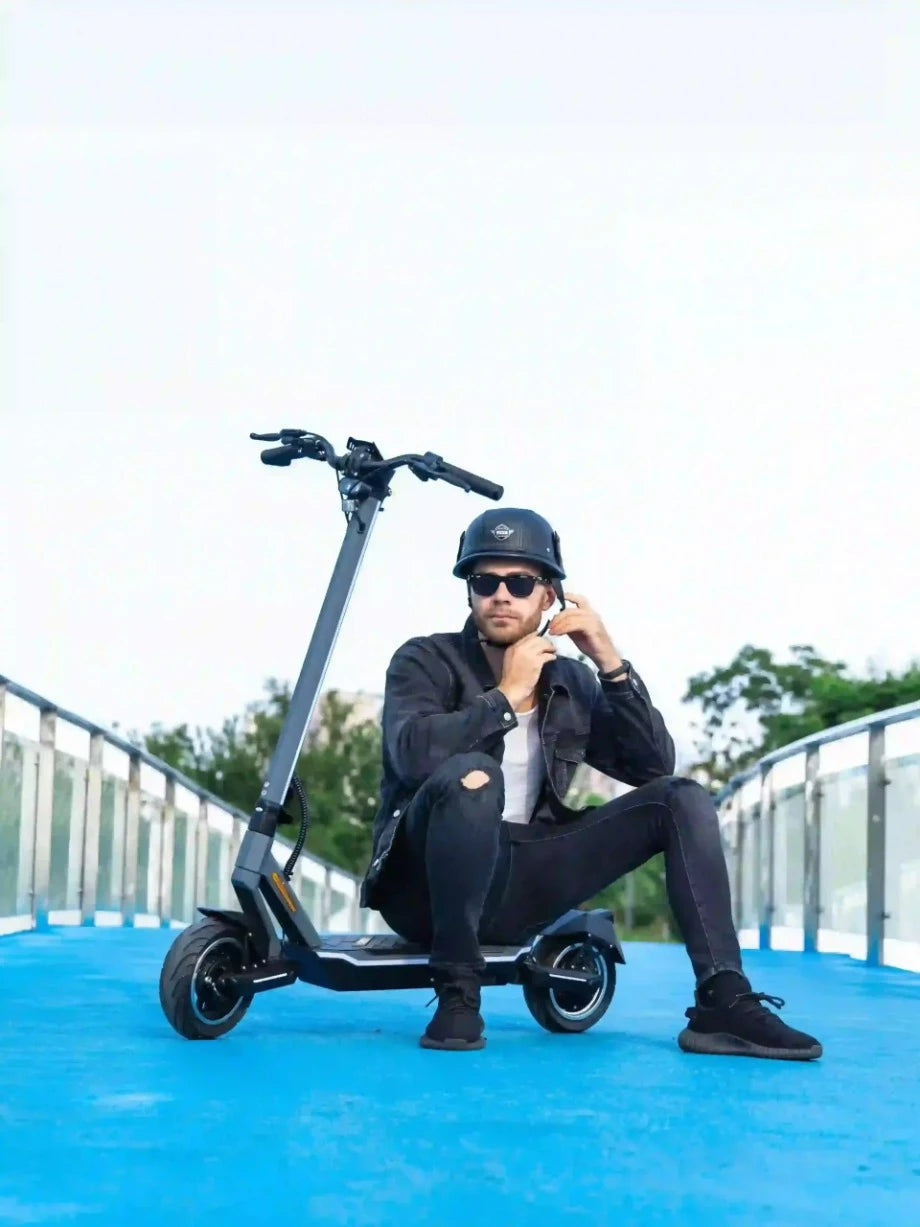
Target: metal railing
(95, 831)
(823, 842)
(822, 837)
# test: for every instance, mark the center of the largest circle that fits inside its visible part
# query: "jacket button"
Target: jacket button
(395, 813)
(507, 716)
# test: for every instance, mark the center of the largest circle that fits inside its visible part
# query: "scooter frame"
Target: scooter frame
(348, 962)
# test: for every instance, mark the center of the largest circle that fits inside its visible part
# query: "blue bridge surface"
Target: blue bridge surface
(321, 1108)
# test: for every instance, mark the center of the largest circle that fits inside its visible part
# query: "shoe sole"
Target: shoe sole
(721, 1044)
(452, 1045)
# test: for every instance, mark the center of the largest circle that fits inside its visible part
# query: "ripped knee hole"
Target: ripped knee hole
(475, 779)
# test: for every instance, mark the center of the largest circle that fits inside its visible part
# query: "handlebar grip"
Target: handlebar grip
(278, 455)
(470, 481)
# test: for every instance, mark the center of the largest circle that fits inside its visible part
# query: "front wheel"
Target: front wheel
(191, 994)
(578, 1008)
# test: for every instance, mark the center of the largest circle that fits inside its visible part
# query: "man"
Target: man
(473, 843)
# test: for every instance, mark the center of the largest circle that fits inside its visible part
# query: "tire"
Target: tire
(571, 1011)
(190, 1000)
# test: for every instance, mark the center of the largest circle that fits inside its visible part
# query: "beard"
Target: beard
(505, 634)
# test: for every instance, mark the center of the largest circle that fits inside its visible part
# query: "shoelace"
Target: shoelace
(758, 998)
(456, 998)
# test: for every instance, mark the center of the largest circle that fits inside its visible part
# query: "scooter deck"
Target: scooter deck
(377, 946)
(354, 961)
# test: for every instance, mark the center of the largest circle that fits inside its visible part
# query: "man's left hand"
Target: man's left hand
(584, 627)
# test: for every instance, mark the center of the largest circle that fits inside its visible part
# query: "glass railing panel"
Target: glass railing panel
(787, 915)
(749, 836)
(901, 945)
(843, 778)
(16, 761)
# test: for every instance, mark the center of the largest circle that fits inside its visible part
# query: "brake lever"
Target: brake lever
(421, 471)
(288, 434)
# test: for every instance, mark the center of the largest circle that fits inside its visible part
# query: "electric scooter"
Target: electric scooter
(219, 963)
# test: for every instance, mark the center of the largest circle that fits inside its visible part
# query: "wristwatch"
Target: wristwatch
(621, 671)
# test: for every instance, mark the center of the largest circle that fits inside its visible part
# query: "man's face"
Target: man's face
(503, 618)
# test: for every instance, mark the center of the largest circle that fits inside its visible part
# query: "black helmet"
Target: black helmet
(512, 532)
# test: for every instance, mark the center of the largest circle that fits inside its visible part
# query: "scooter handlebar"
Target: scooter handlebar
(279, 455)
(463, 479)
(298, 444)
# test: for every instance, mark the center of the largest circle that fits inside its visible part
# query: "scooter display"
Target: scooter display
(218, 964)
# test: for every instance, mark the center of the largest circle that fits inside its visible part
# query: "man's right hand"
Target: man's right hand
(522, 666)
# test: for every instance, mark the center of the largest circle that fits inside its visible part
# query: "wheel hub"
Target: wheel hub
(211, 1003)
(575, 1003)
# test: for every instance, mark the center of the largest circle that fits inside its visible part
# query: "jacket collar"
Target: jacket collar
(552, 678)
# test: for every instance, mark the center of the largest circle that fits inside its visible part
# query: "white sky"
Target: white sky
(652, 266)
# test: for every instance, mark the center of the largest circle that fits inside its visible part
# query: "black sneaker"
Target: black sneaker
(738, 1024)
(457, 1024)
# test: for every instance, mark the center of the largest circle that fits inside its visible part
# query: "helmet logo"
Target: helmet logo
(501, 532)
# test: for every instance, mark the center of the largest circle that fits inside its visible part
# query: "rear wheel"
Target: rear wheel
(577, 1008)
(194, 1001)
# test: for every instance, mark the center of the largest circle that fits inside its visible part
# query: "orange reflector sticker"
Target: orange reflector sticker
(284, 892)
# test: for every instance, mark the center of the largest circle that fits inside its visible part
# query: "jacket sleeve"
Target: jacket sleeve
(420, 731)
(628, 738)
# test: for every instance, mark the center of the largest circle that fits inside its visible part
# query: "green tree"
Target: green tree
(339, 766)
(756, 704)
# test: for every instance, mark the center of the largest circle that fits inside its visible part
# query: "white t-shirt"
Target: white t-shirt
(522, 767)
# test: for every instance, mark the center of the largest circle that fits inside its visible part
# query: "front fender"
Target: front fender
(237, 919)
(597, 924)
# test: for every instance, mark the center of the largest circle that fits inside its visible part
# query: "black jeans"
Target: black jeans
(460, 876)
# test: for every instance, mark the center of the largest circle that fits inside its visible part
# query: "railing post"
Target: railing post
(758, 874)
(325, 907)
(811, 891)
(167, 854)
(737, 870)
(765, 919)
(190, 883)
(237, 830)
(875, 847)
(44, 807)
(740, 841)
(75, 840)
(354, 912)
(89, 882)
(132, 827)
(25, 878)
(201, 854)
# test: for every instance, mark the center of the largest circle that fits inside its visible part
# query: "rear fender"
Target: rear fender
(598, 925)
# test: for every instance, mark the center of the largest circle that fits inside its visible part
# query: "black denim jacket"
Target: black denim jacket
(440, 699)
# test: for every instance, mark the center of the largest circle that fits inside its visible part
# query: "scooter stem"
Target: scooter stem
(256, 879)
(309, 683)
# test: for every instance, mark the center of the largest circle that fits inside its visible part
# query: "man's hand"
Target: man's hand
(584, 627)
(522, 666)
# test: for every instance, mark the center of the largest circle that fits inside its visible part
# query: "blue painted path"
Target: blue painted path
(321, 1108)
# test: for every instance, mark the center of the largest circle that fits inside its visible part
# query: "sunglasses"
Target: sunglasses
(484, 583)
